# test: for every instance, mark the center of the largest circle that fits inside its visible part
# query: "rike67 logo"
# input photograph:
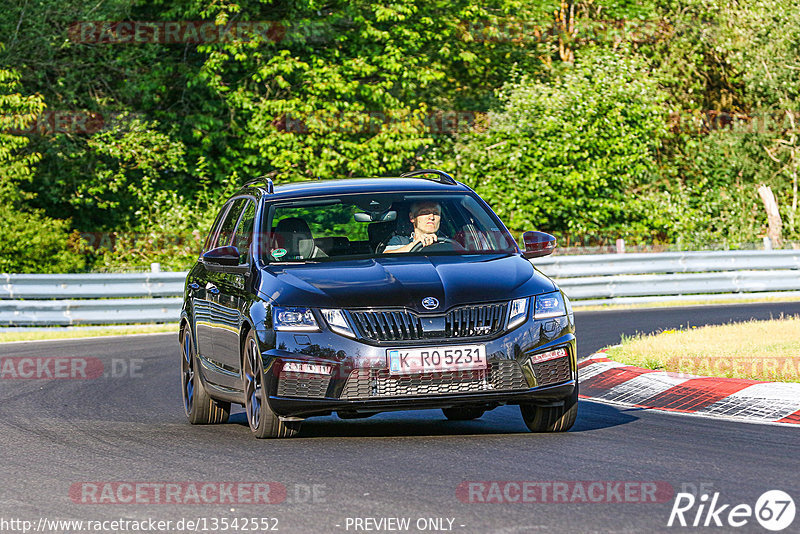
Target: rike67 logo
(774, 510)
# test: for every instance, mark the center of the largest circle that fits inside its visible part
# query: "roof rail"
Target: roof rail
(262, 180)
(443, 176)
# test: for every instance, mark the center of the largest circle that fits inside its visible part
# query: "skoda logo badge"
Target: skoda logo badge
(430, 303)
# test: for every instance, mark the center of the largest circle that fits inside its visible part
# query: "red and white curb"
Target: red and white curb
(750, 400)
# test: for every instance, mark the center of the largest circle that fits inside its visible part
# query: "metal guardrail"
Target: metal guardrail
(89, 311)
(71, 299)
(675, 276)
(562, 267)
(97, 285)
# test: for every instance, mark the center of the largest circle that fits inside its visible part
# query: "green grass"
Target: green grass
(758, 350)
(70, 332)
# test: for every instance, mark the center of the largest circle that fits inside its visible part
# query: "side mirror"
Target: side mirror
(227, 256)
(538, 244)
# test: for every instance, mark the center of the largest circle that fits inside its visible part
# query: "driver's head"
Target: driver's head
(426, 216)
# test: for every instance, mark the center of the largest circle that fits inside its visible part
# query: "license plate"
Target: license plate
(436, 359)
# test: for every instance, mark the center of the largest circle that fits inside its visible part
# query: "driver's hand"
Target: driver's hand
(427, 239)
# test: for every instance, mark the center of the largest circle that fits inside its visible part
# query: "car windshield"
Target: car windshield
(372, 225)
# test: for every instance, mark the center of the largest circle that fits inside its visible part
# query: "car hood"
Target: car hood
(403, 281)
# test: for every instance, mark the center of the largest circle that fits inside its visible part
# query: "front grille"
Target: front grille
(552, 371)
(404, 325)
(388, 325)
(312, 386)
(473, 321)
(502, 375)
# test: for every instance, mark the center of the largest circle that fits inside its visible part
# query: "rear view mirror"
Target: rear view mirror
(538, 244)
(228, 256)
(385, 216)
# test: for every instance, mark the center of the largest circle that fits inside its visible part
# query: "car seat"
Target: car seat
(293, 235)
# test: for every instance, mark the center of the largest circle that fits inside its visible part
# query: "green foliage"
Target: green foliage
(137, 168)
(595, 114)
(16, 112)
(739, 61)
(34, 243)
(329, 220)
(29, 240)
(347, 91)
(564, 156)
(720, 202)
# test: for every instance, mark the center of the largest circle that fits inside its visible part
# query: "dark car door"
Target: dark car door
(233, 295)
(219, 318)
(198, 284)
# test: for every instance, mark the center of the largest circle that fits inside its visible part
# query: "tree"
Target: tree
(30, 241)
(565, 156)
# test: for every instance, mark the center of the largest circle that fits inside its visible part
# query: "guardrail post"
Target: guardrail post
(155, 267)
(620, 246)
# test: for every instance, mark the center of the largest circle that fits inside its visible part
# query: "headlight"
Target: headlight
(549, 305)
(569, 309)
(517, 312)
(338, 322)
(297, 319)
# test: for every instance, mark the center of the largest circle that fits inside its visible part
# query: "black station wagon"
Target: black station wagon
(361, 296)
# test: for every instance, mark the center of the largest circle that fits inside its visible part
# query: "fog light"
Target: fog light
(550, 355)
(306, 368)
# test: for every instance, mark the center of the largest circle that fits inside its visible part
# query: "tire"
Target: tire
(263, 422)
(198, 406)
(463, 413)
(551, 418)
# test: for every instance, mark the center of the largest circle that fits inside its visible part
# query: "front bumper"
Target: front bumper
(359, 381)
(298, 407)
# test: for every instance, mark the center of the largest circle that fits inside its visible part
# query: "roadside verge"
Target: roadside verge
(748, 400)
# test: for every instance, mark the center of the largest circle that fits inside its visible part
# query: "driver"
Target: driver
(426, 216)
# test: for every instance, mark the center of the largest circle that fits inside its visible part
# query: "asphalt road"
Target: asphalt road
(63, 437)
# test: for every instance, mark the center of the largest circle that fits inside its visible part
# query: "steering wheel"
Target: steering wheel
(451, 245)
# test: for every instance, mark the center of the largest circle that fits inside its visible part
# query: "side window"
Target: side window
(228, 225)
(211, 239)
(244, 232)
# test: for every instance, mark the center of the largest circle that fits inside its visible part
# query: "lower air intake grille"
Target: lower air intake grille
(502, 375)
(552, 372)
(506, 375)
(303, 385)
